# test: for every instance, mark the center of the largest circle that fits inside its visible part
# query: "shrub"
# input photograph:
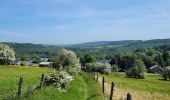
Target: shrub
(166, 73)
(73, 71)
(137, 71)
(115, 68)
(134, 73)
(61, 80)
(89, 67)
(103, 68)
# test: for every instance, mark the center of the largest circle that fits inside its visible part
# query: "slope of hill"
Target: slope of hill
(98, 49)
(105, 43)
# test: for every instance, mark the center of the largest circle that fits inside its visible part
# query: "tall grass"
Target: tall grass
(9, 76)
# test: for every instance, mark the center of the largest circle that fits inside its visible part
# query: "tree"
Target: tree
(166, 56)
(166, 73)
(7, 54)
(160, 60)
(137, 71)
(88, 59)
(24, 58)
(67, 60)
(115, 68)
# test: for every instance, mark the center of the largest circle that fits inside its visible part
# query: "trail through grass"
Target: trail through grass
(150, 88)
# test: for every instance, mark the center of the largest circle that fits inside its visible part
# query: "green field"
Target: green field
(150, 88)
(82, 88)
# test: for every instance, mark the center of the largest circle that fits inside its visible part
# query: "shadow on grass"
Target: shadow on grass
(163, 80)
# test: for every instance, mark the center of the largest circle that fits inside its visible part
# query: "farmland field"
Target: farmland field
(150, 88)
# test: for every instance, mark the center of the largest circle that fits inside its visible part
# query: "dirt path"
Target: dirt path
(136, 95)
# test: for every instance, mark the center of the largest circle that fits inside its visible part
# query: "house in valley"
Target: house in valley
(46, 64)
(155, 69)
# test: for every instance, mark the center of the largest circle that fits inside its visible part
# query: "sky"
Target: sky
(77, 21)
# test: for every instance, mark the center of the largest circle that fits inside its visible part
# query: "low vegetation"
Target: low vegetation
(83, 86)
(9, 76)
(150, 88)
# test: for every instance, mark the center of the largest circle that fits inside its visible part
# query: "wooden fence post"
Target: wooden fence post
(129, 97)
(103, 85)
(20, 86)
(111, 92)
(42, 81)
(94, 76)
(97, 77)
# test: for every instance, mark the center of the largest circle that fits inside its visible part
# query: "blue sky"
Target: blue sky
(76, 21)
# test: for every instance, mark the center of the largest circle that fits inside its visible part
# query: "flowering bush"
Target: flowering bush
(61, 80)
(103, 68)
(7, 54)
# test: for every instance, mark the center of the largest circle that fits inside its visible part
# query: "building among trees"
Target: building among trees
(46, 64)
(155, 69)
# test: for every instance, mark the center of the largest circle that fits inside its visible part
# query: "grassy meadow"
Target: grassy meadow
(82, 88)
(150, 88)
(9, 76)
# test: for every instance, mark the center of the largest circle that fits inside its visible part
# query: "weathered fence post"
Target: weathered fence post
(129, 97)
(103, 84)
(20, 86)
(94, 76)
(111, 92)
(97, 77)
(42, 81)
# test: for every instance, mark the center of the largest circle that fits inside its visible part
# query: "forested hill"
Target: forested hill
(31, 50)
(105, 43)
(98, 49)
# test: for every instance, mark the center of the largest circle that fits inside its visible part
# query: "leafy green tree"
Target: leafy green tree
(7, 54)
(115, 68)
(137, 71)
(24, 58)
(166, 73)
(88, 59)
(166, 56)
(160, 60)
(149, 61)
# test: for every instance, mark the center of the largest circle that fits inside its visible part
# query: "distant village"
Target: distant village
(44, 62)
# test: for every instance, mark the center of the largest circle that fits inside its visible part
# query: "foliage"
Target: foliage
(87, 59)
(166, 73)
(67, 60)
(61, 80)
(103, 68)
(137, 71)
(115, 68)
(7, 55)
